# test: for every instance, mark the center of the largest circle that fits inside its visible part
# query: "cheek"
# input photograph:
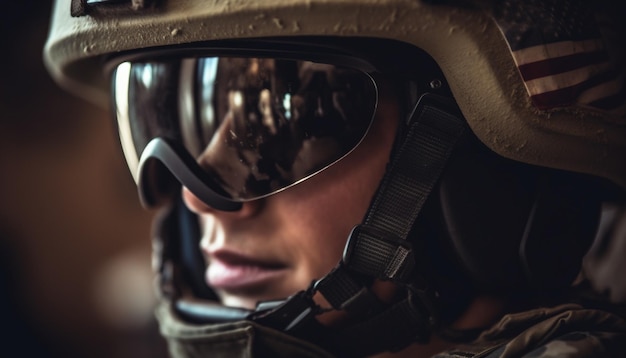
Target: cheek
(324, 209)
(319, 227)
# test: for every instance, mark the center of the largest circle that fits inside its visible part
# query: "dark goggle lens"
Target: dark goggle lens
(254, 125)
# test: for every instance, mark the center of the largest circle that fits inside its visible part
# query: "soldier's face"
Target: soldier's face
(276, 246)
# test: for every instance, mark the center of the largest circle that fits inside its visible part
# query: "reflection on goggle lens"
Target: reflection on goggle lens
(254, 125)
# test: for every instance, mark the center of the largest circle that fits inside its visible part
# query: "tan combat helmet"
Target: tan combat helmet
(556, 120)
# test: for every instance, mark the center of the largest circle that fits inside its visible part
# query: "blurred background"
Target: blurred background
(75, 276)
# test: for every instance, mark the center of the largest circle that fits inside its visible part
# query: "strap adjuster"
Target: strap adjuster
(381, 254)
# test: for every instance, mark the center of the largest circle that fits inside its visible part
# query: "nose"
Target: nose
(197, 206)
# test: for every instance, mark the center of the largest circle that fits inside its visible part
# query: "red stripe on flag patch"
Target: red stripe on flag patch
(553, 66)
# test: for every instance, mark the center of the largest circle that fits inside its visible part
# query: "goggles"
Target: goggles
(237, 128)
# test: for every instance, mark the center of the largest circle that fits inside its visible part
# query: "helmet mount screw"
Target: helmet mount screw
(435, 84)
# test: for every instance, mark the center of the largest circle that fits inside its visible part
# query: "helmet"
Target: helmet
(519, 127)
(476, 59)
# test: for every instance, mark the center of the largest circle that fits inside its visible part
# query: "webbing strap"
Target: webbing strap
(417, 166)
(379, 254)
(346, 292)
(338, 286)
(378, 248)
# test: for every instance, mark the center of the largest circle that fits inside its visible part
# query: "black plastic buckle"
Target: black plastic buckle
(375, 252)
(292, 313)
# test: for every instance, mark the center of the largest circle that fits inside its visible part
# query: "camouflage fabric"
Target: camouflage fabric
(567, 331)
(240, 339)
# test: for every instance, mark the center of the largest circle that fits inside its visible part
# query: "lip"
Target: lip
(235, 272)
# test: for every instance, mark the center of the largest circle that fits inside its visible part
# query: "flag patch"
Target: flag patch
(561, 54)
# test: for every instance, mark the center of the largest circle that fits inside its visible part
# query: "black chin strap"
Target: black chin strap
(379, 249)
